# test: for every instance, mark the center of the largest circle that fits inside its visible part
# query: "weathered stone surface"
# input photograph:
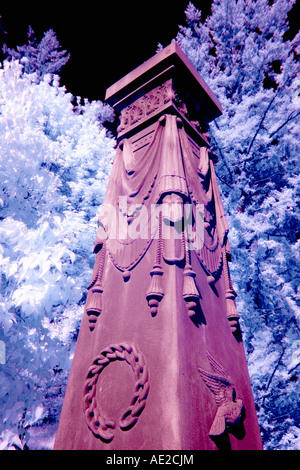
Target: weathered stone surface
(159, 362)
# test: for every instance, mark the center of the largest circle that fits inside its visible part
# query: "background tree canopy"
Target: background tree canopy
(55, 159)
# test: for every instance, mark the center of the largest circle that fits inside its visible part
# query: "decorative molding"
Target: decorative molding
(173, 220)
(94, 299)
(230, 295)
(154, 100)
(101, 426)
(146, 105)
(230, 409)
(190, 292)
(171, 171)
(155, 292)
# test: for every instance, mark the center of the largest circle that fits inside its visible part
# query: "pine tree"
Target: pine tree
(242, 51)
(40, 58)
(55, 159)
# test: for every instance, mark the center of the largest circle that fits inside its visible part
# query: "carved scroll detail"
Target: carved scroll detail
(230, 409)
(101, 426)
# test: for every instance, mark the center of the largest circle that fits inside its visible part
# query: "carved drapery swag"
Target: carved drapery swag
(168, 171)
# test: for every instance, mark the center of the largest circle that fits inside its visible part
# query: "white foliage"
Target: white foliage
(243, 54)
(55, 159)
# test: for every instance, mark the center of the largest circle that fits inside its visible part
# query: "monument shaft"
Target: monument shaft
(159, 361)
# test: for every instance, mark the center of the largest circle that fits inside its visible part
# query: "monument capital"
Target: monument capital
(166, 83)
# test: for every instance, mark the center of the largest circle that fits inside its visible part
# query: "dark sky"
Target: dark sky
(106, 40)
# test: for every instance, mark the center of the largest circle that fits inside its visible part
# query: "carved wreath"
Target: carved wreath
(100, 425)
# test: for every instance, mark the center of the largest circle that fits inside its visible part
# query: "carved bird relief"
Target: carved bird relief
(229, 412)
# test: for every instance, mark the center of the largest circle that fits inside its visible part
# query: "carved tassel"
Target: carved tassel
(155, 292)
(94, 299)
(210, 278)
(230, 295)
(190, 292)
(203, 166)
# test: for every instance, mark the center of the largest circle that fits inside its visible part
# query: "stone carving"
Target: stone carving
(155, 292)
(101, 426)
(146, 105)
(169, 174)
(173, 227)
(94, 300)
(141, 108)
(230, 295)
(230, 409)
(166, 294)
(190, 292)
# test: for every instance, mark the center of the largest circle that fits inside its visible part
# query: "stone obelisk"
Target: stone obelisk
(159, 361)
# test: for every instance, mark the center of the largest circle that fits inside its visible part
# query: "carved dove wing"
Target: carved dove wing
(218, 384)
(229, 409)
(217, 367)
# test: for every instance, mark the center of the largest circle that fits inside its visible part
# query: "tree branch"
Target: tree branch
(224, 181)
(290, 118)
(224, 159)
(262, 121)
(275, 369)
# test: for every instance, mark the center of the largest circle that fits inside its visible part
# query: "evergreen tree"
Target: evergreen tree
(40, 58)
(242, 51)
(55, 159)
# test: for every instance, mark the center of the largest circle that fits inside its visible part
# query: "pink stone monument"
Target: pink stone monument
(159, 362)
